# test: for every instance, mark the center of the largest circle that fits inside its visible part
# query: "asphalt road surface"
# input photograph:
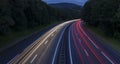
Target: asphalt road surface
(68, 43)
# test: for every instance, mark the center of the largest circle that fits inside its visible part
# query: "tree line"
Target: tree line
(104, 14)
(17, 15)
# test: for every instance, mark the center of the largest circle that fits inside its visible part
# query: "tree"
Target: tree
(99, 13)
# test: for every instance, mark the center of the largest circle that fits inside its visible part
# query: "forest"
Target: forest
(103, 14)
(18, 15)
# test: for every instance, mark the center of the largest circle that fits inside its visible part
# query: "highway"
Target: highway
(68, 43)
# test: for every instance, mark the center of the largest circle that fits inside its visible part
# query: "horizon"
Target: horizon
(78, 2)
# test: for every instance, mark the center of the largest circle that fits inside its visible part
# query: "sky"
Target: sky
(79, 2)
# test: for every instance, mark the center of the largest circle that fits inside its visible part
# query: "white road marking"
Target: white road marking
(86, 52)
(107, 57)
(54, 57)
(93, 43)
(97, 47)
(54, 29)
(46, 42)
(40, 43)
(33, 58)
(89, 39)
(71, 61)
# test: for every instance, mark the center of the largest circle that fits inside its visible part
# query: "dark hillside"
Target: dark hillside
(25, 14)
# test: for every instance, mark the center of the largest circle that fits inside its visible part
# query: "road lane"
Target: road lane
(108, 49)
(58, 44)
(30, 51)
(108, 58)
(42, 52)
(83, 48)
(77, 48)
(66, 43)
(33, 58)
(30, 47)
(90, 47)
(70, 50)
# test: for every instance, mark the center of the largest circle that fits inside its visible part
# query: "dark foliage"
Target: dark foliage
(104, 14)
(25, 14)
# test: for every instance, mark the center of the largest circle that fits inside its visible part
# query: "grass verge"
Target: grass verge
(18, 35)
(115, 43)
